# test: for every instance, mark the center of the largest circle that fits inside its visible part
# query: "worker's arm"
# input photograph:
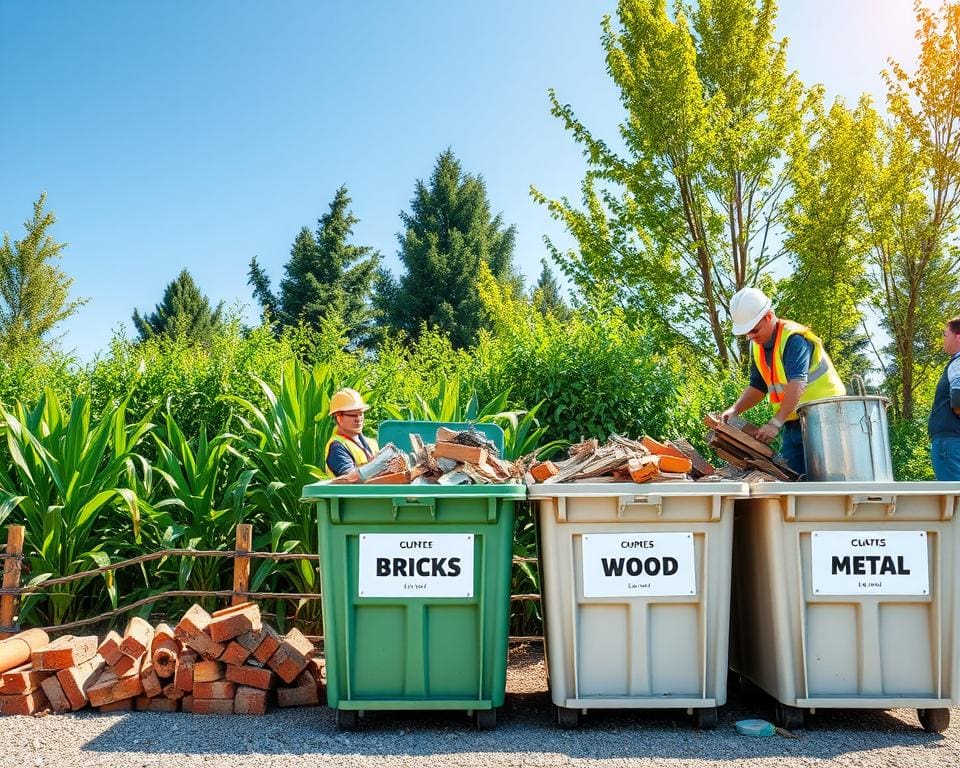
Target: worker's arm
(953, 376)
(341, 464)
(791, 398)
(750, 397)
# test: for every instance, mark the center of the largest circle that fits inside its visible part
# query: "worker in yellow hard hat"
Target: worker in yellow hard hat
(788, 363)
(348, 449)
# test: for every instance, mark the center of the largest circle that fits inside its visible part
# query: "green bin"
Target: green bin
(416, 590)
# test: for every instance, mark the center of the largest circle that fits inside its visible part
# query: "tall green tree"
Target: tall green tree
(183, 313)
(34, 291)
(546, 296)
(826, 231)
(326, 275)
(449, 232)
(683, 216)
(913, 204)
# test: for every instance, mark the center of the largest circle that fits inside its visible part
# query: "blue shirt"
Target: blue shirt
(796, 360)
(339, 460)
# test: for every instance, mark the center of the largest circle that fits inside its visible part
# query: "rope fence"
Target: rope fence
(11, 556)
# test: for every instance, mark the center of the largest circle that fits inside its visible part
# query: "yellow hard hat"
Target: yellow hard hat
(347, 400)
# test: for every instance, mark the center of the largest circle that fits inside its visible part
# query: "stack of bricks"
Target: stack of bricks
(228, 662)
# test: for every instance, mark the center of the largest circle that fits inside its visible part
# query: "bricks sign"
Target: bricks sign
(416, 565)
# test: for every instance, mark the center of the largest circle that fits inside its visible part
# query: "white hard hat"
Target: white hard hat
(747, 308)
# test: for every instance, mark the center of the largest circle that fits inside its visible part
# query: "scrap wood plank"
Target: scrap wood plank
(737, 435)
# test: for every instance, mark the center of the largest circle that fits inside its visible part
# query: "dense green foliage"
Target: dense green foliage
(182, 312)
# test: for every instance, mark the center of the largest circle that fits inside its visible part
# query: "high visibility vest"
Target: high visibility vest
(359, 455)
(822, 378)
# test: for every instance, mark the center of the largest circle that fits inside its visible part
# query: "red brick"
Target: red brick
(214, 689)
(235, 654)
(110, 648)
(64, 652)
(212, 707)
(291, 658)
(184, 675)
(170, 691)
(122, 705)
(23, 679)
(23, 703)
(250, 701)
(304, 693)
(191, 631)
(109, 688)
(233, 621)
(151, 683)
(205, 671)
(253, 677)
(268, 645)
(250, 640)
(77, 681)
(186, 703)
(137, 638)
(164, 651)
(156, 704)
(55, 695)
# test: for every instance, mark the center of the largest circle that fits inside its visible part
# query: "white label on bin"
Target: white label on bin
(638, 565)
(869, 563)
(416, 565)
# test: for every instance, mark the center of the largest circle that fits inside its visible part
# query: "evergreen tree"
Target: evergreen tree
(33, 291)
(449, 231)
(546, 296)
(325, 274)
(184, 312)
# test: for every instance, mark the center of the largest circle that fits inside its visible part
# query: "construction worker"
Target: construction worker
(348, 449)
(788, 363)
(943, 426)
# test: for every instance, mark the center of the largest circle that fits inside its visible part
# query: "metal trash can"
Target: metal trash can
(844, 597)
(846, 439)
(416, 591)
(636, 595)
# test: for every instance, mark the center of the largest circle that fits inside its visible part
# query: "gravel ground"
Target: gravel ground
(526, 735)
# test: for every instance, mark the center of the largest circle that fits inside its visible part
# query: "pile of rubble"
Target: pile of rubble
(228, 662)
(456, 458)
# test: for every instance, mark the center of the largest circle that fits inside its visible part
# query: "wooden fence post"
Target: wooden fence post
(11, 576)
(241, 565)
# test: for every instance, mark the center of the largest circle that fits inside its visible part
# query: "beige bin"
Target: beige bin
(636, 595)
(844, 597)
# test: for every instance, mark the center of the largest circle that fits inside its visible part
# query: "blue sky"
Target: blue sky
(199, 134)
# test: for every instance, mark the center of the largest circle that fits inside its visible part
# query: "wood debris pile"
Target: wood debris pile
(735, 442)
(228, 662)
(622, 459)
(456, 458)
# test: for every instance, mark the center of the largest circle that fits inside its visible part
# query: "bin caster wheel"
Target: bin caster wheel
(790, 718)
(486, 719)
(347, 719)
(705, 718)
(568, 718)
(934, 720)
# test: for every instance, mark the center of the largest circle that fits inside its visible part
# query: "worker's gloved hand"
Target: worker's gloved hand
(353, 476)
(769, 431)
(725, 416)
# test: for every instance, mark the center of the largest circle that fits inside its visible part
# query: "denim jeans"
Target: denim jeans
(792, 448)
(945, 454)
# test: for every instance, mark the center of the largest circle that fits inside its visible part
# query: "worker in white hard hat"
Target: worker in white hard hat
(348, 448)
(787, 363)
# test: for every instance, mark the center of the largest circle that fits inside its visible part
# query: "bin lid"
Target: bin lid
(327, 490)
(859, 487)
(553, 490)
(398, 432)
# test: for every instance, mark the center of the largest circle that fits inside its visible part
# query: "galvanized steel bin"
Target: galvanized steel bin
(845, 597)
(416, 592)
(636, 595)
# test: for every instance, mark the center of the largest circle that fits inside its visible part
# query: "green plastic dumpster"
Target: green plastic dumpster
(416, 590)
(845, 596)
(636, 595)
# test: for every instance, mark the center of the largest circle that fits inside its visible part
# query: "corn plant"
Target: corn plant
(284, 441)
(204, 489)
(71, 483)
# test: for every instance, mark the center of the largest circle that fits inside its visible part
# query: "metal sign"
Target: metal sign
(638, 565)
(416, 565)
(869, 563)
